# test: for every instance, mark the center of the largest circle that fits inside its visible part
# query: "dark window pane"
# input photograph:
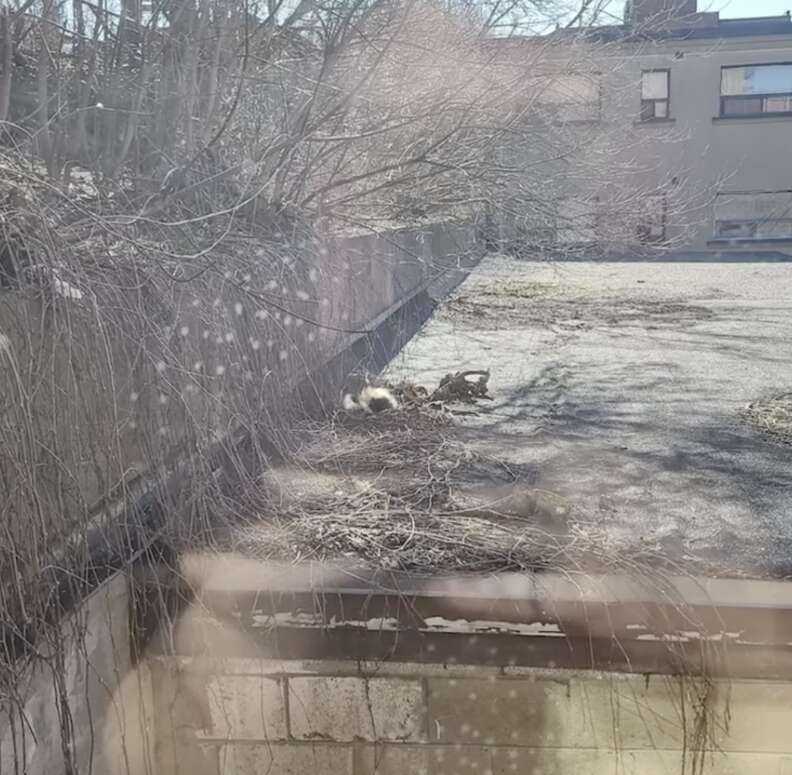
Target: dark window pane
(740, 107)
(651, 227)
(778, 104)
(776, 228)
(653, 109)
(735, 229)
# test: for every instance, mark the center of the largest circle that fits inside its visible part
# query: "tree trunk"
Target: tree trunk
(43, 136)
(7, 60)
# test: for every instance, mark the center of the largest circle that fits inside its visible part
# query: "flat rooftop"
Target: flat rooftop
(706, 26)
(648, 394)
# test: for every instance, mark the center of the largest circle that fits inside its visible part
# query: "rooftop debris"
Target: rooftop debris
(772, 416)
(453, 388)
(457, 387)
(402, 491)
(412, 490)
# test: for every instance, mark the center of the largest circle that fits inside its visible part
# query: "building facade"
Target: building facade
(697, 112)
(724, 87)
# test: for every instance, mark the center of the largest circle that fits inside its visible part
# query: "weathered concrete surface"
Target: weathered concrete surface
(82, 707)
(488, 720)
(621, 386)
(385, 710)
(244, 707)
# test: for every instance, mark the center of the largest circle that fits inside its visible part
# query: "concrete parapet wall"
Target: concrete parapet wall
(101, 390)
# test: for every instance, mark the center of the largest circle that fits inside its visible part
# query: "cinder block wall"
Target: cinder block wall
(247, 716)
(81, 706)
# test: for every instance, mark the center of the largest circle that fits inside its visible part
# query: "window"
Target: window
(735, 229)
(652, 221)
(754, 215)
(576, 221)
(754, 90)
(572, 97)
(655, 94)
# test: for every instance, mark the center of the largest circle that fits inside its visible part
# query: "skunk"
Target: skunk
(370, 399)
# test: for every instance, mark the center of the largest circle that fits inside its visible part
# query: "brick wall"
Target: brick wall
(282, 717)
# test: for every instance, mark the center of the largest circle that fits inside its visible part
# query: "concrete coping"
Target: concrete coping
(228, 573)
(662, 624)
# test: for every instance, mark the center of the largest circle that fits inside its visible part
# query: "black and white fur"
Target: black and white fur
(370, 399)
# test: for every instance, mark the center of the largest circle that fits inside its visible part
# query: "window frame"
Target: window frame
(746, 229)
(648, 119)
(763, 97)
(742, 227)
(644, 227)
(594, 76)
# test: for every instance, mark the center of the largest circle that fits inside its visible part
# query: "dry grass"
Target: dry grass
(519, 289)
(401, 489)
(510, 306)
(772, 416)
(410, 490)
